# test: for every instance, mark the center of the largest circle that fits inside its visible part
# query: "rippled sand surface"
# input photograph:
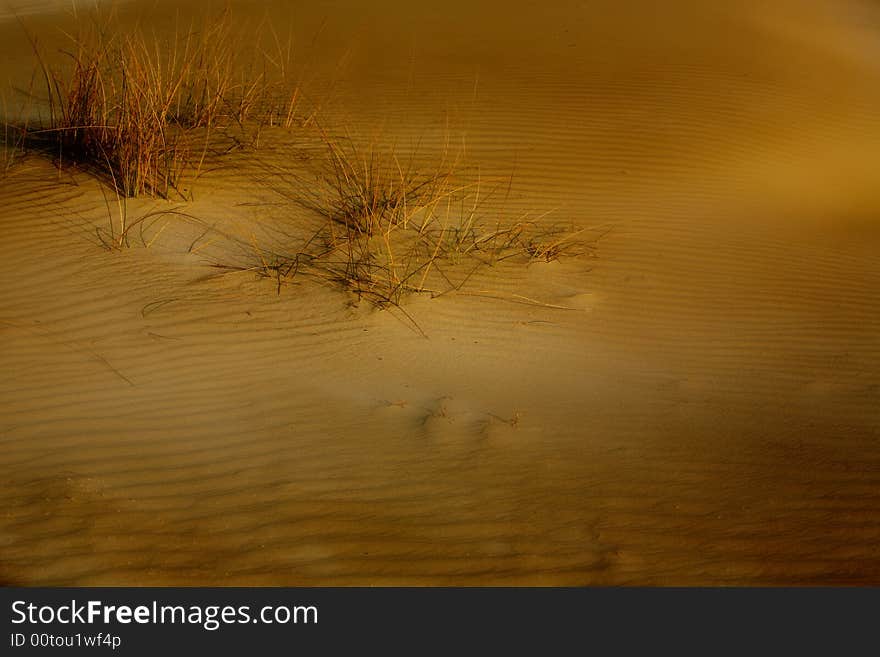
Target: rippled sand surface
(704, 410)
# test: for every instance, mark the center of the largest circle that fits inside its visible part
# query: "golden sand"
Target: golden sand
(701, 407)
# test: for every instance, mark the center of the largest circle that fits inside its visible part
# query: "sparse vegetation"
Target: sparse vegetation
(386, 227)
(140, 111)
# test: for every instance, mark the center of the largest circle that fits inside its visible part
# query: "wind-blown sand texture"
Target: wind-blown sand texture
(705, 410)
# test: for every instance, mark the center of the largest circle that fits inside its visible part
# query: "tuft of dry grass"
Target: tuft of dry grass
(109, 111)
(386, 227)
(139, 110)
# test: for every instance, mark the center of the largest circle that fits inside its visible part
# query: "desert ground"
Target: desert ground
(691, 399)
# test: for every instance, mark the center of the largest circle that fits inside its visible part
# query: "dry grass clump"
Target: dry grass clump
(387, 227)
(140, 110)
(372, 193)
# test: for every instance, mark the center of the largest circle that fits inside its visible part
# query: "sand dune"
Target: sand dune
(697, 404)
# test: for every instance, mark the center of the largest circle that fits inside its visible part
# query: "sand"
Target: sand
(702, 407)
